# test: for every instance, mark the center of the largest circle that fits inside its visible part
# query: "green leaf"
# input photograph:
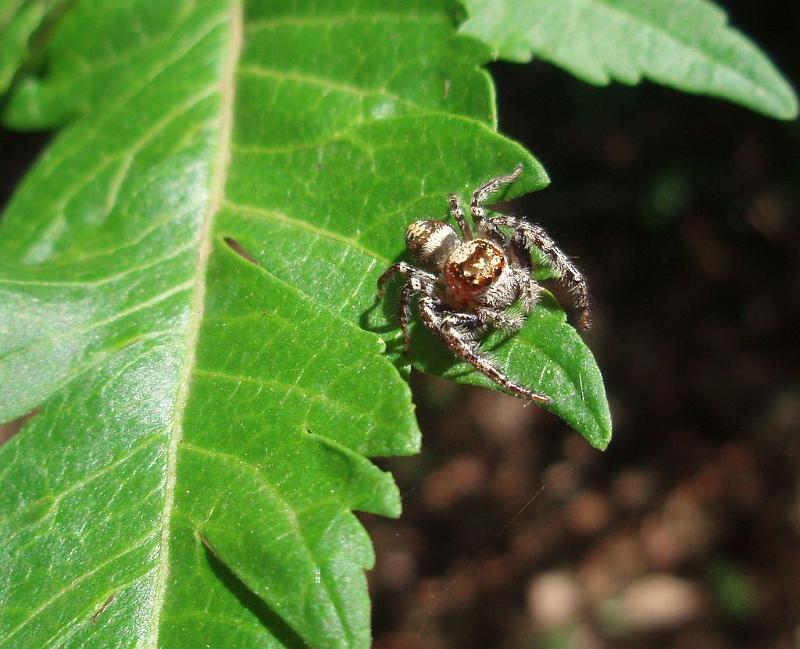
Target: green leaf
(685, 44)
(555, 358)
(18, 21)
(187, 303)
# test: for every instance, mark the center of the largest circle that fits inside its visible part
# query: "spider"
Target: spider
(466, 283)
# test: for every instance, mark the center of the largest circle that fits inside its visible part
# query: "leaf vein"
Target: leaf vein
(277, 215)
(74, 583)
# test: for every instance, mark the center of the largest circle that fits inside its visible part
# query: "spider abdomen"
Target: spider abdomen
(430, 242)
(472, 268)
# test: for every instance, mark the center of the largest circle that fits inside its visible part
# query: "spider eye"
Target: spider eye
(431, 242)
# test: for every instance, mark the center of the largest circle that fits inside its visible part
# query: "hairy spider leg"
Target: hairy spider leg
(447, 329)
(458, 214)
(471, 323)
(426, 279)
(488, 188)
(483, 192)
(507, 322)
(534, 236)
(419, 282)
(529, 289)
(409, 288)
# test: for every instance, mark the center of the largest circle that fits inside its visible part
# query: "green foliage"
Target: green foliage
(18, 21)
(556, 362)
(685, 44)
(187, 282)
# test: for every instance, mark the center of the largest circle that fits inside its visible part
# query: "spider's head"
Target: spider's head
(473, 267)
(431, 242)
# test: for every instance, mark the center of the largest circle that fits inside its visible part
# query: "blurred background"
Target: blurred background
(685, 533)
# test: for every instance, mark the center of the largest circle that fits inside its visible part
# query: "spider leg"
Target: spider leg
(533, 236)
(526, 289)
(458, 214)
(419, 281)
(508, 322)
(482, 193)
(529, 289)
(447, 327)
(405, 313)
(420, 278)
(471, 324)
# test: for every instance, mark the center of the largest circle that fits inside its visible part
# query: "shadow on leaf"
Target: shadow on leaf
(287, 636)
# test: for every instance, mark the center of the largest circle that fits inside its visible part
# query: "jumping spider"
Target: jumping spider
(469, 281)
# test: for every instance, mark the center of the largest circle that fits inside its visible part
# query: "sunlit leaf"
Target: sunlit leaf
(686, 44)
(187, 284)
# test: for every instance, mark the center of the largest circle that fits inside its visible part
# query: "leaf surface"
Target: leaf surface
(18, 21)
(685, 44)
(187, 283)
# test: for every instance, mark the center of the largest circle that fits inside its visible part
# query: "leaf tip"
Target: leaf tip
(601, 443)
(789, 111)
(602, 437)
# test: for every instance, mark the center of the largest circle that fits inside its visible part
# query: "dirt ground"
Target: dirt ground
(682, 211)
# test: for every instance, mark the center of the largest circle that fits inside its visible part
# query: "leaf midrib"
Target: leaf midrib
(216, 190)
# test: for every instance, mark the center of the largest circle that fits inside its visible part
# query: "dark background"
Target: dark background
(682, 211)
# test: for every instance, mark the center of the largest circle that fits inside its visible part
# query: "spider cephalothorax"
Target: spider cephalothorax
(466, 283)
